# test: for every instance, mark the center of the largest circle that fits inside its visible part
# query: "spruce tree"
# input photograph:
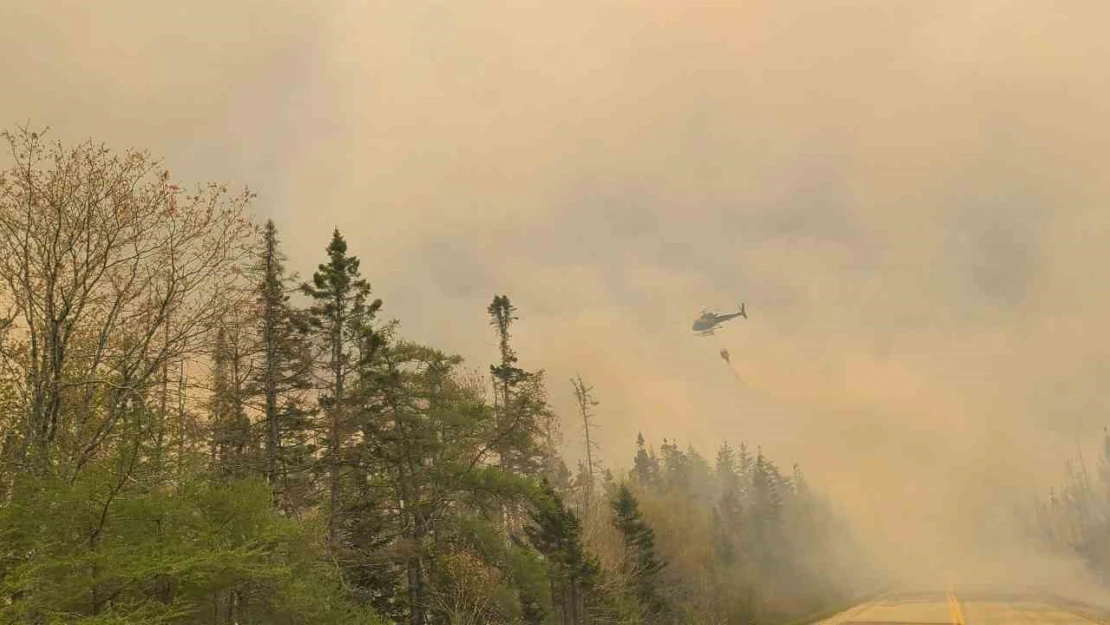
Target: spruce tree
(744, 468)
(645, 466)
(725, 465)
(766, 490)
(676, 467)
(341, 314)
(730, 505)
(639, 540)
(555, 532)
(520, 400)
(283, 373)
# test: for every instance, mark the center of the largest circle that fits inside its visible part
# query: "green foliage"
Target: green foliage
(554, 532)
(646, 466)
(338, 291)
(502, 315)
(520, 400)
(103, 551)
(341, 316)
(643, 564)
(282, 376)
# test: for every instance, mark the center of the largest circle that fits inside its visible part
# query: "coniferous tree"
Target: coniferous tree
(730, 505)
(699, 476)
(766, 494)
(645, 467)
(522, 417)
(639, 539)
(506, 375)
(520, 398)
(282, 376)
(414, 394)
(744, 468)
(341, 314)
(554, 531)
(727, 473)
(675, 468)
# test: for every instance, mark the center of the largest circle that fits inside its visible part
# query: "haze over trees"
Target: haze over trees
(191, 433)
(1073, 519)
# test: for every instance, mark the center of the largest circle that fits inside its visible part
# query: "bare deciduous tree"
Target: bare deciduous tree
(468, 594)
(108, 272)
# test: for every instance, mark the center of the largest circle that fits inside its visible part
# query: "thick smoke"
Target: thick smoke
(909, 197)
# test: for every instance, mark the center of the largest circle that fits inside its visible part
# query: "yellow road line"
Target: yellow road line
(954, 609)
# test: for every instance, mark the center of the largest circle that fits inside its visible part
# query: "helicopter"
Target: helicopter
(707, 322)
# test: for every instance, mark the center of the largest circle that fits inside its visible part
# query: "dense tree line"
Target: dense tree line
(193, 434)
(732, 540)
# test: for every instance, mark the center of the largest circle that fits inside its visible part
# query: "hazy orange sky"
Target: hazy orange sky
(909, 196)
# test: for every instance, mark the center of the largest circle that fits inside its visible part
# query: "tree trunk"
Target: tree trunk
(181, 428)
(417, 601)
(272, 438)
(416, 592)
(568, 603)
(163, 411)
(334, 425)
(270, 379)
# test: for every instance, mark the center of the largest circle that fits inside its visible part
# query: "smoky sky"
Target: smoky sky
(909, 197)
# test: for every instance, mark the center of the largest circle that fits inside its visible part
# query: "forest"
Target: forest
(192, 433)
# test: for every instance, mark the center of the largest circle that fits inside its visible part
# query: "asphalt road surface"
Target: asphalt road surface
(970, 608)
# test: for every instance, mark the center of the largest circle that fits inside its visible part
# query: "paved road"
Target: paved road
(956, 608)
